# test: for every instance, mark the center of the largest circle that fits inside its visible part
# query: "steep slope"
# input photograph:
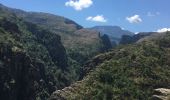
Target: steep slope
(71, 33)
(33, 61)
(21, 77)
(32, 54)
(80, 44)
(114, 32)
(128, 72)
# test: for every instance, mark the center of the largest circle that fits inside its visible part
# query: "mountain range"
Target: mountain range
(42, 52)
(49, 57)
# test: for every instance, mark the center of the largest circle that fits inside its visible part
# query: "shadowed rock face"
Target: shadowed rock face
(30, 57)
(53, 44)
(8, 26)
(106, 42)
(20, 76)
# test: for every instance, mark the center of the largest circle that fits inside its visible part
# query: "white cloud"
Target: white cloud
(137, 32)
(134, 19)
(122, 28)
(79, 4)
(163, 30)
(98, 18)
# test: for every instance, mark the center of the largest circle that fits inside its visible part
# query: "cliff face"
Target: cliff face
(21, 78)
(106, 43)
(53, 44)
(33, 61)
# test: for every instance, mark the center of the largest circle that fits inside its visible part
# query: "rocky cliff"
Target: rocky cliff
(33, 62)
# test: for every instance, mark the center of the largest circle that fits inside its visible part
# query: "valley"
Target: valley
(49, 57)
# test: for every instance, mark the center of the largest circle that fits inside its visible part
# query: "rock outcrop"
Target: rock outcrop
(161, 94)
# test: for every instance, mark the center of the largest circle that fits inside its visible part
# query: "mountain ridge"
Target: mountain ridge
(78, 41)
(56, 47)
(114, 32)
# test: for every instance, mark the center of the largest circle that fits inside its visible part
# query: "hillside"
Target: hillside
(33, 61)
(40, 53)
(77, 40)
(114, 32)
(80, 44)
(128, 72)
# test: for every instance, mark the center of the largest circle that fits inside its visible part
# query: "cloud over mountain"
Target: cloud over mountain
(134, 19)
(163, 30)
(98, 18)
(79, 4)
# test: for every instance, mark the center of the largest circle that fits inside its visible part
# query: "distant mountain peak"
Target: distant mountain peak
(114, 32)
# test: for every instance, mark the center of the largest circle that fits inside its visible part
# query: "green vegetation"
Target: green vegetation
(32, 59)
(128, 72)
(80, 44)
(53, 50)
(34, 63)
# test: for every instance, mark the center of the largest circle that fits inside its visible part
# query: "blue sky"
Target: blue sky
(133, 15)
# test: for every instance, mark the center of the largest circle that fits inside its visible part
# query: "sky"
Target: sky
(133, 15)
